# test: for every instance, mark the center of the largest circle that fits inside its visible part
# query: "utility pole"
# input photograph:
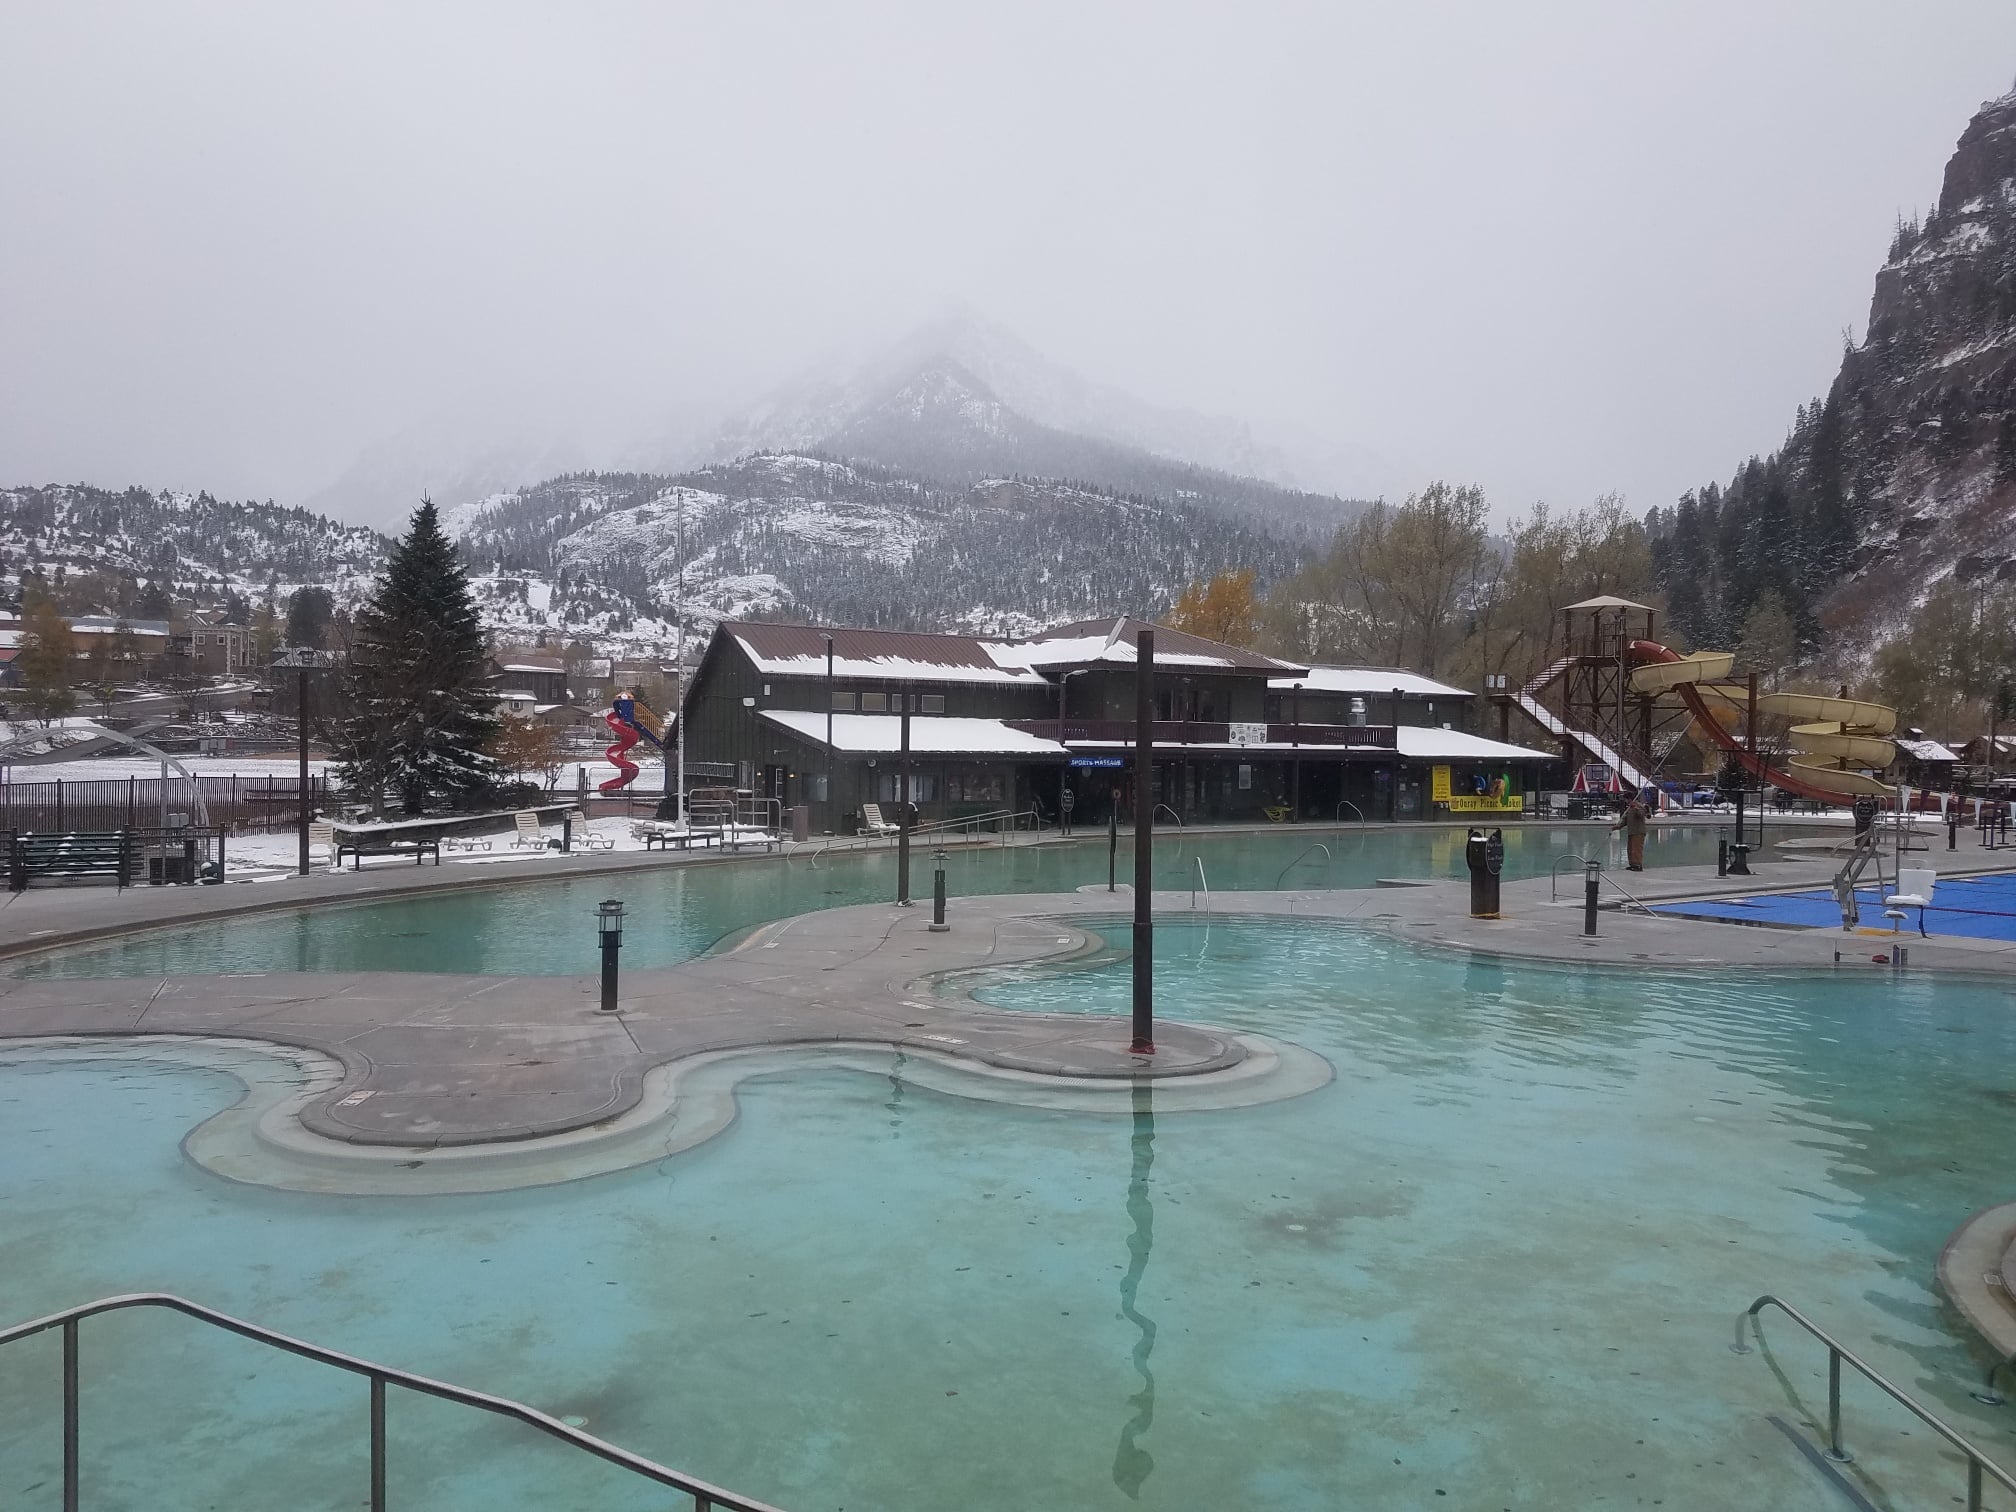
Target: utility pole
(679, 657)
(301, 723)
(829, 732)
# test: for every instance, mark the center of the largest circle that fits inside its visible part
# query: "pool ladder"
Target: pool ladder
(706, 1497)
(1979, 1466)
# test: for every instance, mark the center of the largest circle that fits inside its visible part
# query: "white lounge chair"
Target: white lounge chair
(467, 842)
(529, 836)
(1914, 890)
(323, 833)
(587, 837)
(872, 822)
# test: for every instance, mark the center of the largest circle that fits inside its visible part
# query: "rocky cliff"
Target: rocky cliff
(1904, 474)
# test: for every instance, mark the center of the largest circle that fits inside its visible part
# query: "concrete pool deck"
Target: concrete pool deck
(438, 1059)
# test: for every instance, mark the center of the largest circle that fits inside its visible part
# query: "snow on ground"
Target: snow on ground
(118, 768)
(255, 858)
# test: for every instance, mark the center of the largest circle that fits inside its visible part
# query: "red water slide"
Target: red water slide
(627, 735)
(1643, 652)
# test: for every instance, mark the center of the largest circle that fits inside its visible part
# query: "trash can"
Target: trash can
(801, 821)
(1485, 855)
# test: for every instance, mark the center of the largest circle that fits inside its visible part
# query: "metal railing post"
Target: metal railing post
(377, 1443)
(1973, 1485)
(71, 1462)
(1834, 1449)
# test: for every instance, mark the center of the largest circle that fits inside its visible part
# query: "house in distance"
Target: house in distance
(813, 715)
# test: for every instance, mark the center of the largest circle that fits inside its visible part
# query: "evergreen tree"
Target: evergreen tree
(422, 721)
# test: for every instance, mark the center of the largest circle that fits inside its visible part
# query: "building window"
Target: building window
(934, 703)
(874, 703)
(745, 774)
(843, 701)
(923, 786)
(815, 787)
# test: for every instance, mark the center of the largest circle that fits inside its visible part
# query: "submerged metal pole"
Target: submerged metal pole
(1144, 843)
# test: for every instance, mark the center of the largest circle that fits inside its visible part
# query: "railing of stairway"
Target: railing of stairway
(706, 1496)
(1978, 1464)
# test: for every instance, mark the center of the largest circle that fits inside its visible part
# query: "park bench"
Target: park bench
(74, 853)
(357, 848)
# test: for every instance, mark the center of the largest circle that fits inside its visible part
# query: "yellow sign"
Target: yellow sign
(1438, 784)
(1480, 803)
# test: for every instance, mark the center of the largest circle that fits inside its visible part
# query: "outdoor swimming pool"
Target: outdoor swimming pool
(544, 928)
(1493, 1264)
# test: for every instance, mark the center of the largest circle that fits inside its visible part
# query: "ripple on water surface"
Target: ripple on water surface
(547, 928)
(1497, 1258)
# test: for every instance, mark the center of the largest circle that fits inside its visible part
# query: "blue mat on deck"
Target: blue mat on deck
(1979, 908)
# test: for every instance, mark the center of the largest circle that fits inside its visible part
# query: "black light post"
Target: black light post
(938, 924)
(1112, 839)
(1144, 843)
(609, 926)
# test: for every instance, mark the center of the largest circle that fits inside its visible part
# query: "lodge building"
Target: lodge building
(814, 715)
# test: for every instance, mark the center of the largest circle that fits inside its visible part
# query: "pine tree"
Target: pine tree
(422, 721)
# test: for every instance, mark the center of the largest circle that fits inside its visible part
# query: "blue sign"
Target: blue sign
(1098, 761)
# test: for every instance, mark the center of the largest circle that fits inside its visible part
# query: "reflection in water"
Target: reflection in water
(895, 1103)
(1132, 1463)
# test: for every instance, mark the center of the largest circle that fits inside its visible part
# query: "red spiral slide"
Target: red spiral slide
(627, 735)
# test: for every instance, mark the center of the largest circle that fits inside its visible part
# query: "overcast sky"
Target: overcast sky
(1553, 248)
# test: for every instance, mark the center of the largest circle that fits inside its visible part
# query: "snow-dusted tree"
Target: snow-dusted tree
(422, 720)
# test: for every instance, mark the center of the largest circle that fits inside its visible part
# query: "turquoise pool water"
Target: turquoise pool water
(1493, 1264)
(676, 912)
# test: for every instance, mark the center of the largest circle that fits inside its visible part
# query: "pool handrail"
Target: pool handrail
(1343, 804)
(1554, 883)
(1205, 883)
(1004, 821)
(1977, 1462)
(706, 1496)
(1163, 808)
(1318, 846)
(1554, 873)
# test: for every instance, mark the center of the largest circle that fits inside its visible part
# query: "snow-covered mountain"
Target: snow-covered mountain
(618, 559)
(960, 401)
(179, 541)
(790, 535)
(1904, 475)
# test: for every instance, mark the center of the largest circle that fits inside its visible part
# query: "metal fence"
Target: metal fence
(246, 804)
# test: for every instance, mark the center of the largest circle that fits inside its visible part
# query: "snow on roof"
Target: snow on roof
(898, 655)
(932, 735)
(1926, 750)
(1368, 680)
(1609, 601)
(530, 666)
(1424, 743)
(1104, 642)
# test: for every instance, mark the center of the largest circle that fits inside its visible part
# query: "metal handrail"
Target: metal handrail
(1554, 884)
(1205, 883)
(1554, 874)
(1346, 803)
(1978, 1463)
(1163, 808)
(1002, 819)
(1318, 846)
(706, 1496)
